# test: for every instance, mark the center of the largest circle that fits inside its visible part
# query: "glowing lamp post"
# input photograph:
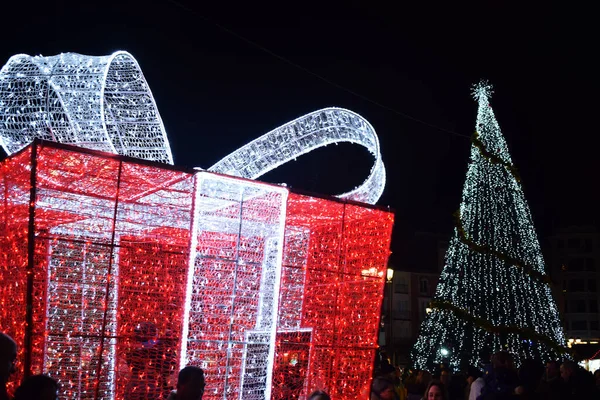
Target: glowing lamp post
(389, 280)
(390, 275)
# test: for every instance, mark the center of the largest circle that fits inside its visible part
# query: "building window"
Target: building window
(590, 264)
(561, 243)
(574, 243)
(587, 245)
(579, 306)
(423, 286)
(402, 310)
(405, 331)
(401, 288)
(592, 285)
(594, 325)
(593, 306)
(402, 285)
(403, 305)
(579, 325)
(577, 285)
(576, 264)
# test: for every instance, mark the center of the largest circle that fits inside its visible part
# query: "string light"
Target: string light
(480, 284)
(101, 103)
(104, 103)
(278, 304)
(139, 270)
(302, 135)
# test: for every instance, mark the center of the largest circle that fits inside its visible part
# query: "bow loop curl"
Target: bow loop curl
(104, 103)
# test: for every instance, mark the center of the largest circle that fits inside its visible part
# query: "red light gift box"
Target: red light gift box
(116, 272)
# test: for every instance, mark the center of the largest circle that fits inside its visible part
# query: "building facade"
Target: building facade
(574, 263)
(408, 295)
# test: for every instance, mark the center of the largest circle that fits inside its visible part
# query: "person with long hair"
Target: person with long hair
(436, 390)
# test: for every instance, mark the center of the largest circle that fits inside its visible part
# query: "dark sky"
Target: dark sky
(216, 91)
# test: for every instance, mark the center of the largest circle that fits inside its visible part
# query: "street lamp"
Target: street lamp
(390, 275)
(390, 278)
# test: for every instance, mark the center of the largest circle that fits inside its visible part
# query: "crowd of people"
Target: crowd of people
(498, 379)
(190, 380)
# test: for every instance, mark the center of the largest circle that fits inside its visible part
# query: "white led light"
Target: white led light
(302, 135)
(101, 103)
(104, 103)
(494, 214)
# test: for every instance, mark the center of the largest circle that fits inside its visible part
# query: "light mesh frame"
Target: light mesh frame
(104, 103)
(101, 103)
(302, 135)
(274, 293)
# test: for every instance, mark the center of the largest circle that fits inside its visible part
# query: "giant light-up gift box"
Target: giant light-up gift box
(116, 272)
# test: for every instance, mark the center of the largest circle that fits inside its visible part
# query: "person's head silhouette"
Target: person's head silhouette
(190, 383)
(8, 357)
(37, 387)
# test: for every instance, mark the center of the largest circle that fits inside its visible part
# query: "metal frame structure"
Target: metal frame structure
(104, 103)
(120, 271)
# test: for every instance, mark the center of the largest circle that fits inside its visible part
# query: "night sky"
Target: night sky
(224, 74)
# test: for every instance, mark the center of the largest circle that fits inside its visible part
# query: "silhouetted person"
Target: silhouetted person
(502, 380)
(382, 389)
(551, 386)
(389, 372)
(37, 387)
(473, 374)
(415, 390)
(477, 384)
(8, 358)
(578, 383)
(190, 384)
(319, 395)
(454, 384)
(530, 376)
(552, 371)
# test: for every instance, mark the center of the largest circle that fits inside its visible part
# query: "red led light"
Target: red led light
(278, 287)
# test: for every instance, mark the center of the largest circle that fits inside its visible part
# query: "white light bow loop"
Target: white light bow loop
(104, 103)
(101, 103)
(304, 134)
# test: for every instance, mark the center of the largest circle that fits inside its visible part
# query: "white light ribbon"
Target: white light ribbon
(302, 135)
(104, 103)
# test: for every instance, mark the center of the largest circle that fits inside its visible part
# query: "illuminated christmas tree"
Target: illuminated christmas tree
(493, 292)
